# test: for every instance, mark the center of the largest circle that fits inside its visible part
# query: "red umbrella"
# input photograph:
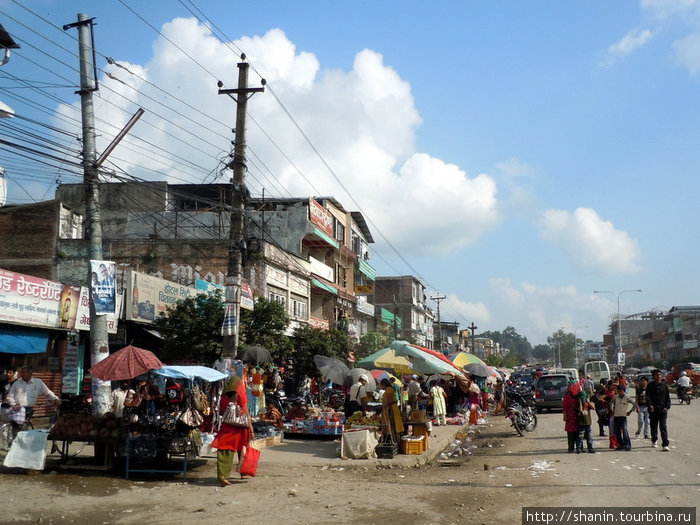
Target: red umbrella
(126, 363)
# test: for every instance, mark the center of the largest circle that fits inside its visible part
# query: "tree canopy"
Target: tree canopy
(192, 329)
(266, 326)
(512, 340)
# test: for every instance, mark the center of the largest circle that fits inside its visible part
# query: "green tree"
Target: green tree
(564, 344)
(312, 341)
(542, 353)
(510, 339)
(494, 360)
(192, 329)
(266, 326)
(370, 343)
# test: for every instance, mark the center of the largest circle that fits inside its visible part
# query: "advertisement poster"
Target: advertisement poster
(82, 318)
(70, 303)
(148, 297)
(103, 287)
(72, 366)
(29, 300)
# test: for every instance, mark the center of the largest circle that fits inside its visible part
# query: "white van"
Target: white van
(573, 373)
(597, 370)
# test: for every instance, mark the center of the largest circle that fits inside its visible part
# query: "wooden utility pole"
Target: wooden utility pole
(230, 330)
(437, 299)
(472, 328)
(99, 344)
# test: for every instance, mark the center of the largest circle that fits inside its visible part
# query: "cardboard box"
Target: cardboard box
(418, 416)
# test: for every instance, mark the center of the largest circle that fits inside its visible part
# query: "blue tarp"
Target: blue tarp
(189, 372)
(18, 340)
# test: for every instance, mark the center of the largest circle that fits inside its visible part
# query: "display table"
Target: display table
(146, 441)
(104, 451)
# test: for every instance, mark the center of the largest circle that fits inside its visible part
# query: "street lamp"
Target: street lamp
(619, 323)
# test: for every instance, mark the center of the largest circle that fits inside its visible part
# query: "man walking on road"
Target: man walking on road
(26, 390)
(659, 402)
(642, 408)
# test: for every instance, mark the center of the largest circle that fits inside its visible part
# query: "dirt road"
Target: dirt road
(506, 473)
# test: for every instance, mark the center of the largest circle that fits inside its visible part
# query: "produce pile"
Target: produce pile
(86, 427)
(370, 420)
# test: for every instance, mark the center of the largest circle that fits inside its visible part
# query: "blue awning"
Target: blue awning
(20, 340)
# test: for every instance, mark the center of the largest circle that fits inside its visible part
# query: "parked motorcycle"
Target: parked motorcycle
(279, 400)
(521, 400)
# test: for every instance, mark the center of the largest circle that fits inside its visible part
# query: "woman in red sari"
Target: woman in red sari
(230, 439)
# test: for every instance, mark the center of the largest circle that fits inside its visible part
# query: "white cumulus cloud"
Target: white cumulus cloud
(474, 311)
(590, 242)
(362, 122)
(629, 43)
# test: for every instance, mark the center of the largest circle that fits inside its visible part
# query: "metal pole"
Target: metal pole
(619, 320)
(99, 344)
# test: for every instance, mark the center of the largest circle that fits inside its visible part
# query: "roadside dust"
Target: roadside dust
(488, 486)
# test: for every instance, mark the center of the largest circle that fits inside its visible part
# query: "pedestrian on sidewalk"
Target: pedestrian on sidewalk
(619, 407)
(642, 408)
(659, 403)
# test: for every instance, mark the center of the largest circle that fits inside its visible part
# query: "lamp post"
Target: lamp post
(619, 321)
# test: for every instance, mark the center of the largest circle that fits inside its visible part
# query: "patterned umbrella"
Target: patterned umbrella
(423, 360)
(386, 359)
(126, 363)
(383, 374)
(461, 359)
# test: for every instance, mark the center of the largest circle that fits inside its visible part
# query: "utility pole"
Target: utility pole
(99, 345)
(230, 330)
(437, 299)
(472, 328)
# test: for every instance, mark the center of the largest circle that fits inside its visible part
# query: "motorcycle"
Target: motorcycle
(521, 401)
(279, 400)
(685, 394)
(513, 413)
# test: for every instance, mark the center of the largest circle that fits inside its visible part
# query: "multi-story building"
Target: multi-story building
(401, 309)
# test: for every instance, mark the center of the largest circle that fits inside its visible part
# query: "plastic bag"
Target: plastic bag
(249, 465)
(28, 450)
(18, 416)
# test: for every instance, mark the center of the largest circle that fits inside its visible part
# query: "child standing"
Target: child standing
(619, 406)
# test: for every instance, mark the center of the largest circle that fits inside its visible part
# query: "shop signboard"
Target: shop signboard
(321, 217)
(247, 299)
(148, 296)
(29, 300)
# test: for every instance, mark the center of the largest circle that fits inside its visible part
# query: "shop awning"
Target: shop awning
(388, 318)
(366, 269)
(19, 340)
(323, 286)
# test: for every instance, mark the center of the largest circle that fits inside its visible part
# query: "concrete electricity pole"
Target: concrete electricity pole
(230, 330)
(99, 345)
(437, 299)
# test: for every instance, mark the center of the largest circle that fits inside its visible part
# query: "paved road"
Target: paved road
(641, 477)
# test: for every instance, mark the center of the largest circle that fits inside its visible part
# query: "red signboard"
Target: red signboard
(321, 217)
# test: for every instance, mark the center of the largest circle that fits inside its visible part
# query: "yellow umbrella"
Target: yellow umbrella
(386, 359)
(461, 359)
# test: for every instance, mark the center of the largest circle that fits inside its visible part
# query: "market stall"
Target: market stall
(169, 426)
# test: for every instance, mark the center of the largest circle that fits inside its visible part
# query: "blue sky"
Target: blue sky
(517, 156)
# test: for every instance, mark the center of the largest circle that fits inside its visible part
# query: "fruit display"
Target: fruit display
(85, 427)
(370, 420)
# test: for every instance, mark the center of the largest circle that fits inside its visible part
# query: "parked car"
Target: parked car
(550, 390)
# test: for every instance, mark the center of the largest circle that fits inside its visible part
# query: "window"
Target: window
(277, 297)
(300, 309)
(338, 230)
(341, 275)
